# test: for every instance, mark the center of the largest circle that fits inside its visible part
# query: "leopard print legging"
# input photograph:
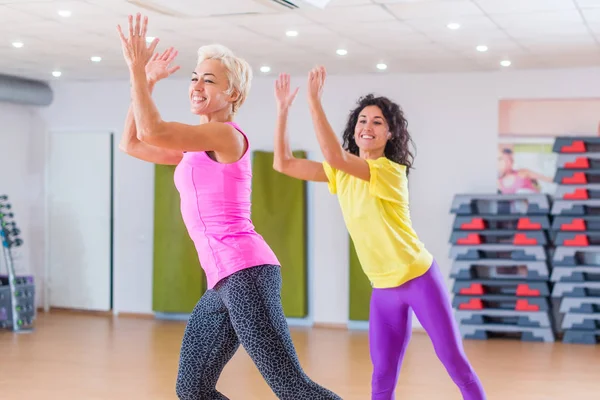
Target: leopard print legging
(244, 308)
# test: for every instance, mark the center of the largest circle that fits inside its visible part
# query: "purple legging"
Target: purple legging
(390, 330)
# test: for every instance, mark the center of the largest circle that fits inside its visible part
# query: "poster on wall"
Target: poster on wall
(527, 129)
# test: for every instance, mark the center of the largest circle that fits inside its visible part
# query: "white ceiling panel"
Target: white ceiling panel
(588, 3)
(366, 13)
(524, 6)
(409, 35)
(435, 9)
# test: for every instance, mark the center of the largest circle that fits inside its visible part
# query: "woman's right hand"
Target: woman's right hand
(282, 92)
(158, 67)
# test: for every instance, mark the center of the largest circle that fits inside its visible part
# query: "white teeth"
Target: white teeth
(367, 137)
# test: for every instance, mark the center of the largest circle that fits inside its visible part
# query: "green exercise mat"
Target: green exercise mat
(360, 289)
(178, 281)
(279, 215)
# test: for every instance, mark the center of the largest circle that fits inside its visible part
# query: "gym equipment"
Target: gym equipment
(536, 319)
(500, 204)
(576, 144)
(500, 266)
(500, 302)
(575, 207)
(578, 192)
(499, 269)
(527, 334)
(576, 274)
(576, 223)
(17, 293)
(498, 251)
(578, 161)
(511, 222)
(576, 289)
(499, 236)
(576, 237)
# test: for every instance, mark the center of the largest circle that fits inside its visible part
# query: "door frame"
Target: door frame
(46, 280)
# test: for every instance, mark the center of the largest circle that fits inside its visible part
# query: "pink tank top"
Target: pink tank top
(215, 206)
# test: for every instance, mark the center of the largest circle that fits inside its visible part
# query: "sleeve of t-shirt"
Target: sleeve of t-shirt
(387, 179)
(331, 177)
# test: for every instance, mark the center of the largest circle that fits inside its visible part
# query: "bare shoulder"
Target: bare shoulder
(235, 141)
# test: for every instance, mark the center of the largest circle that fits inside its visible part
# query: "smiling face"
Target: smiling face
(209, 88)
(372, 131)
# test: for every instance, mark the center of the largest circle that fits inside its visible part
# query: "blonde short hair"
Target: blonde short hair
(239, 72)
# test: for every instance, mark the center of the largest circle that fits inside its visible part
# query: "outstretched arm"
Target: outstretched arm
(331, 148)
(151, 128)
(284, 160)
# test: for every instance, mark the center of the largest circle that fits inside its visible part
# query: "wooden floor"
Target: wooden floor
(74, 356)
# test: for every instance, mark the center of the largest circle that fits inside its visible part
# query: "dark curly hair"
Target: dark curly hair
(397, 148)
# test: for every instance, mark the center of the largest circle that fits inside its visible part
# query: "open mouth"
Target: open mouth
(367, 137)
(198, 99)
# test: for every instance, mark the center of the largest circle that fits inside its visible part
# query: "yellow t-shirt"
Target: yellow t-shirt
(377, 217)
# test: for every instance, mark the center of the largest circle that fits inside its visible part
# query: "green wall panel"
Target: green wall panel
(360, 289)
(279, 215)
(178, 279)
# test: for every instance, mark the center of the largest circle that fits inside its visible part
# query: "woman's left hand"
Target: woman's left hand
(316, 81)
(136, 51)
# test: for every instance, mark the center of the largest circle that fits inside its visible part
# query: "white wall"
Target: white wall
(22, 135)
(449, 115)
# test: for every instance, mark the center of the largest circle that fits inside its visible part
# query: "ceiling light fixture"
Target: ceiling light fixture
(292, 33)
(505, 63)
(96, 58)
(381, 66)
(64, 13)
(341, 52)
(265, 69)
(56, 74)
(482, 48)
(18, 45)
(453, 26)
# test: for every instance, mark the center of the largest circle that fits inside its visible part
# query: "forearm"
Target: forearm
(147, 118)
(330, 146)
(129, 136)
(282, 150)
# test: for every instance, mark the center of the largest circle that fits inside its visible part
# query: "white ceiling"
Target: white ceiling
(407, 35)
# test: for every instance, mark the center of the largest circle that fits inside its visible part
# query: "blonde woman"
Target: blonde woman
(213, 176)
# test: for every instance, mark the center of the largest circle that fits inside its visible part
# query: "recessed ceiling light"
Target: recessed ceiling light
(341, 52)
(381, 66)
(96, 59)
(56, 74)
(149, 39)
(265, 69)
(64, 13)
(453, 26)
(482, 48)
(505, 63)
(18, 45)
(292, 33)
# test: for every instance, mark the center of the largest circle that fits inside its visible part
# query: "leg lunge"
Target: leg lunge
(208, 344)
(252, 297)
(390, 323)
(432, 307)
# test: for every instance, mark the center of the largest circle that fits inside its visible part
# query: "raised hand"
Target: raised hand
(282, 92)
(316, 81)
(159, 65)
(136, 51)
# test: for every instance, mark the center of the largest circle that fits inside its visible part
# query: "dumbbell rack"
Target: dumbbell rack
(17, 293)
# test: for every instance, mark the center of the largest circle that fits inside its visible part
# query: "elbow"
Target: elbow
(151, 134)
(279, 165)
